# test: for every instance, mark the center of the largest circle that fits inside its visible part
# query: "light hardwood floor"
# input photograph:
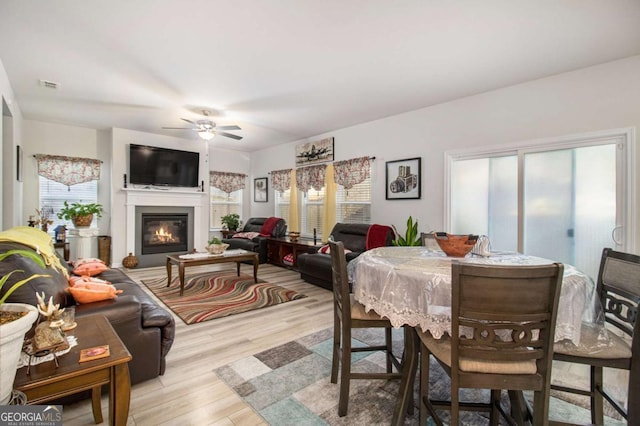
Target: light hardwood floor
(189, 393)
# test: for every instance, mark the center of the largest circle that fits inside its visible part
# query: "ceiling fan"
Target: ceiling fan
(207, 129)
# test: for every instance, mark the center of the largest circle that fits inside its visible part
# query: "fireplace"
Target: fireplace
(162, 230)
(164, 233)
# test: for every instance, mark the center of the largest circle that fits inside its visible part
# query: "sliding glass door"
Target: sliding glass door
(561, 204)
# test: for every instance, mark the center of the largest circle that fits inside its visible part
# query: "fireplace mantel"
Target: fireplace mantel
(156, 197)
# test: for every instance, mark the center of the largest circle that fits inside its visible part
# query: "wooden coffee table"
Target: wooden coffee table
(237, 256)
(46, 382)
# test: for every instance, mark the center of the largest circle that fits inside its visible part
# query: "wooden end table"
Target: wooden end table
(237, 256)
(278, 248)
(46, 382)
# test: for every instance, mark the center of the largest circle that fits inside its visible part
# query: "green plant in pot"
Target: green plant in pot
(216, 246)
(80, 214)
(15, 320)
(411, 236)
(231, 221)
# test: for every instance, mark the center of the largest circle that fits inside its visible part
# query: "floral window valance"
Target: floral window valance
(68, 170)
(310, 177)
(281, 180)
(352, 172)
(227, 181)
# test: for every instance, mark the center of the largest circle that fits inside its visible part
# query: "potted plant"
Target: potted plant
(81, 215)
(15, 320)
(216, 246)
(411, 236)
(231, 221)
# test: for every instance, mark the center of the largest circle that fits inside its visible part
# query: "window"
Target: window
(222, 204)
(564, 199)
(54, 194)
(282, 203)
(354, 205)
(311, 213)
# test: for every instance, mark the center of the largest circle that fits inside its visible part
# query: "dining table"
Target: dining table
(411, 286)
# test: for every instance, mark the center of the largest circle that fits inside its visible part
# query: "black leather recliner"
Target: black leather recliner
(259, 243)
(316, 267)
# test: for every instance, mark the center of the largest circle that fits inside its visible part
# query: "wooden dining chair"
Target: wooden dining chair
(502, 328)
(349, 314)
(618, 289)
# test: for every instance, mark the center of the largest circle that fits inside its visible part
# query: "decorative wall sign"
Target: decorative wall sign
(261, 190)
(402, 178)
(314, 152)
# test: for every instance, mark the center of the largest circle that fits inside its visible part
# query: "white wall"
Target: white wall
(55, 139)
(11, 137)
(591, 99)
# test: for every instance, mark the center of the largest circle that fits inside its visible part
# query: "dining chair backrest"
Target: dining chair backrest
(619, 289)
(340, 280)
(503, 314)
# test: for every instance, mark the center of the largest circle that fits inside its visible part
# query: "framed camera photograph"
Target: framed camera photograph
(402, 178)
(260, 190)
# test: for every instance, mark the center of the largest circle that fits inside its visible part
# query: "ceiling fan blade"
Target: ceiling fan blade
(179, 128)
(188, 121)
(229, 135)
(234, 127)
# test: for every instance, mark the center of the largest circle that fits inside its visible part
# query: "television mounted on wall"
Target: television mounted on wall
(151, 165)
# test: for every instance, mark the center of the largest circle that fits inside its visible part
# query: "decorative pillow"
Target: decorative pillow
(73, 280)
(268, 226)
(93, 292)
(91, 268)
(85, 260)
(326, 249)
(247, 235)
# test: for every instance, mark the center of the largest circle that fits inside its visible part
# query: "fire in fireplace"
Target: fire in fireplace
(164, 233)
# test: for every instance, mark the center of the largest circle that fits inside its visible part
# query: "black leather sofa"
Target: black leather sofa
(315, 268)
(146, 329)
(259, 243)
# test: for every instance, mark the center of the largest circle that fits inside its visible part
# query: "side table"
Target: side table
(46, 382)
(278, 248)
(227, 234)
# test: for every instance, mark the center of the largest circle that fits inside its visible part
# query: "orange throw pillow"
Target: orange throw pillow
(90, 268)
(73, 280)
(93, 292)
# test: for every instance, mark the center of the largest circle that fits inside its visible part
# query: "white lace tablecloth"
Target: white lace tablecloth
(412, 286)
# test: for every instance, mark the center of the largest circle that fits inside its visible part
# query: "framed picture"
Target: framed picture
(308, 153)
(402, 178)
(261, 190)
(19, 163)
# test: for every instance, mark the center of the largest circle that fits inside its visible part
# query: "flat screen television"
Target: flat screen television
(150, 165)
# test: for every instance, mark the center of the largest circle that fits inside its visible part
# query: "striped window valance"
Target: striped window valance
(281, 180)
(227, 181)
(351, 172)
(310, 177)
(68, 170)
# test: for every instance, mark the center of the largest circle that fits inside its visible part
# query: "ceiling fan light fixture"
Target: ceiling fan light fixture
(205, 135)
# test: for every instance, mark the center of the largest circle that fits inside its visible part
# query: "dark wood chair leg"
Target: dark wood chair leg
(345, 372)
(597, 403)
(495, 402)
(335, 362)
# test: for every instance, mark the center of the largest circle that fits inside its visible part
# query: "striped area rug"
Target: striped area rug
(218, 294)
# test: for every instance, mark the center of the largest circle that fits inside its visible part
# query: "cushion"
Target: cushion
(73, 280)
(377, 236)
(90, 268)
(441, 349)
(85, 260)
(288, 259)
(268, 226)
(326, 249)
(93, 292)
(247, 235)
(596, 343)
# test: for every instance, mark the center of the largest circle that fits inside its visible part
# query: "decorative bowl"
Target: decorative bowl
(217, 248)
(294, 235)
(456, 245)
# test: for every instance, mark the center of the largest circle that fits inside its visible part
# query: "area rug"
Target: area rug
(290, 385)
(214, 295)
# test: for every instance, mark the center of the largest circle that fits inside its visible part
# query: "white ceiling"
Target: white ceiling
(285, 70)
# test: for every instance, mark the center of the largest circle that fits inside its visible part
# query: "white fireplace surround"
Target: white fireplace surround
(151, 197)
